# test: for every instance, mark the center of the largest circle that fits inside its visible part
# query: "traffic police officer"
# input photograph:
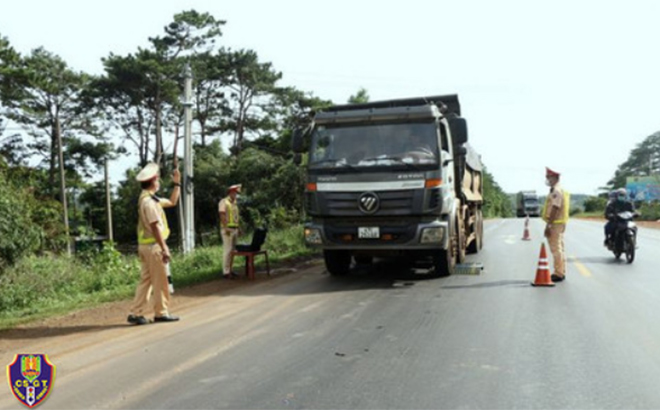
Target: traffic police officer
(555, 214)
(229, 226)
(153, 230)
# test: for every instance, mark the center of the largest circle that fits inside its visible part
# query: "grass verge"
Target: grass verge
(42, 286)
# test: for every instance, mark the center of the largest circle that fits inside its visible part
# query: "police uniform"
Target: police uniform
(230, 231)
(154, 273)
(560, 199)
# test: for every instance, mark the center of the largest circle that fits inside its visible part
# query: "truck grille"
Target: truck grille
(391, 203)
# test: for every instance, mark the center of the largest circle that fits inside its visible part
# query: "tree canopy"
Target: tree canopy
(643, 160)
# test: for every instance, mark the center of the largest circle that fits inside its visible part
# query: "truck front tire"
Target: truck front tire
(444, 260)
(461, 240)
(337, 262)
(444, 263)
(477, 243)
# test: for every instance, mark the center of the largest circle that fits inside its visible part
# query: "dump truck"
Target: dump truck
(527, 204)
(392, 178)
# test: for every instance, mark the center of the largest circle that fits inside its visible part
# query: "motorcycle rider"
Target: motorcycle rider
(619, 204)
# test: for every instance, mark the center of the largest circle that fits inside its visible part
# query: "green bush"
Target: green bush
(19, 234)
(281, 218)
(36, 280)
(649, 211)
(595, 204)
(575, 210)
(496, 202)
(108, 269)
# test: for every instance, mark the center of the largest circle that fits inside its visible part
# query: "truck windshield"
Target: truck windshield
(374, 145)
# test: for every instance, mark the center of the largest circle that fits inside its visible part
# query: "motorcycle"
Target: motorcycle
(624, 237)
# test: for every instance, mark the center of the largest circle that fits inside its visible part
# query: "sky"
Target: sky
(571, 85)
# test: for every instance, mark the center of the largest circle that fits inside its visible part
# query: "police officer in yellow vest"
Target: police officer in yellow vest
(153, 231)
(555, 214)
(229, 226)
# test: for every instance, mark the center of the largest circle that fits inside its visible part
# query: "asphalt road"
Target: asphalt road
(387, 337)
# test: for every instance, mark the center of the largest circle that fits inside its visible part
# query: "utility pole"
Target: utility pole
(65, 210)
(188, 189)
(108, 205)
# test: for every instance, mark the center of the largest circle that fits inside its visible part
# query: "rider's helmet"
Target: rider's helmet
(621, 194)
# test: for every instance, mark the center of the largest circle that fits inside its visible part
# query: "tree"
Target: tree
(644, 160)
(11, 145)
(9, 65)
(190, 32)
(212, 170)
(361, 97)
(29, 222)
(93, 201)
(251, 85)
(269, 181)
(295, 109)
(191, 37)
(496, 202)
(140, 92)
(210, 78)
(135, 95)
(49, 111)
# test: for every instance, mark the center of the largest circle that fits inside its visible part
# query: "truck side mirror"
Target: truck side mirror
(297, 141)
(300, 134)
(297, 158)
(458, 127)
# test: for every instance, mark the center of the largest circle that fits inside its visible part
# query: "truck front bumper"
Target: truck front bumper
(415, 236)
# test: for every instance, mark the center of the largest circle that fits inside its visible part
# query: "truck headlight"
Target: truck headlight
(432, 235)
(313, 236)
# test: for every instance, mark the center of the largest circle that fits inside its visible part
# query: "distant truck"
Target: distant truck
(391, 178)
(527, 203)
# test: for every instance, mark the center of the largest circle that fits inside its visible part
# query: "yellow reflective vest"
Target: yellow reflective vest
(563, 218)
(142, 240)
(232, 213)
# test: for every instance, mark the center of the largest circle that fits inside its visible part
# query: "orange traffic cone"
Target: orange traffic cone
(543, 273)
(526, 236)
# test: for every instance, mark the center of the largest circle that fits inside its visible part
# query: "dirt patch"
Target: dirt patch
(113, 314)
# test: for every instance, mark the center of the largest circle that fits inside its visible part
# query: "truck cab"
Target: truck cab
(527, 204)
(385, 179)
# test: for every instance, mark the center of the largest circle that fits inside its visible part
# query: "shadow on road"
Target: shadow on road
(497, 283)
(395, 274)
(606, 260)
(310, 277)
(46, 331)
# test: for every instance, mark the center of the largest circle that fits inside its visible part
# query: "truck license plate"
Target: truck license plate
(372, 232)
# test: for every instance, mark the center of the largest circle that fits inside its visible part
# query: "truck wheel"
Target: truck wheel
(337, 262)
(461, 240)
(444, 260)
(480, 229)
(477, 243)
